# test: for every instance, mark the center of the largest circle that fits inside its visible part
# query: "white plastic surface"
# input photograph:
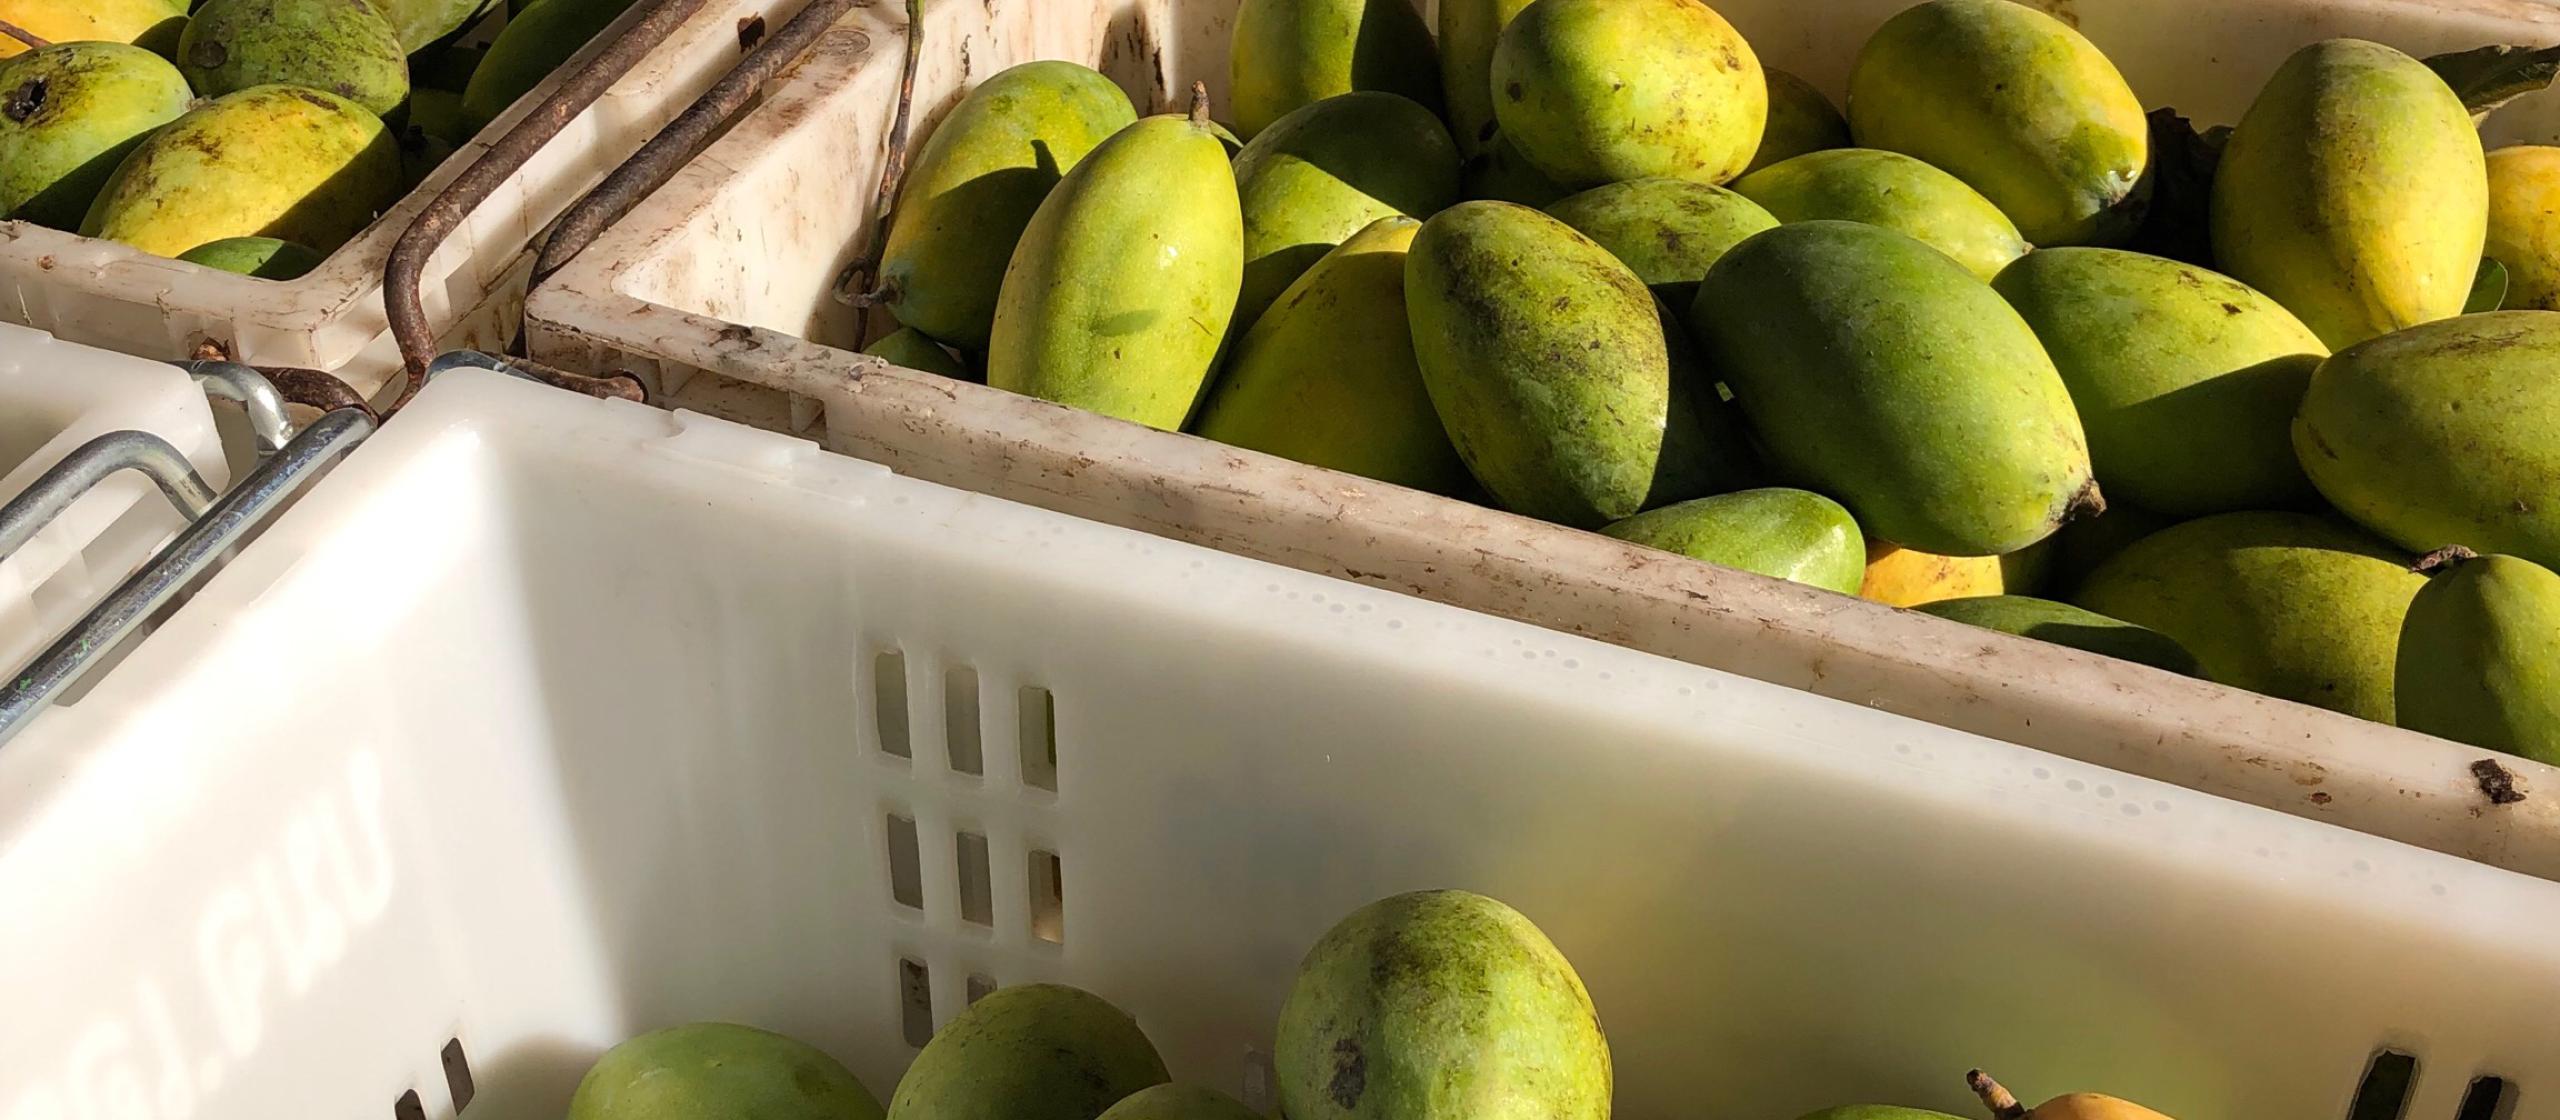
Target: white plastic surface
(54, 397)
(533, 803)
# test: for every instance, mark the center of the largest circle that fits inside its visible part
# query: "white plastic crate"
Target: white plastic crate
(54, 397)
(105, 294)
(717, 291)
(296, 860)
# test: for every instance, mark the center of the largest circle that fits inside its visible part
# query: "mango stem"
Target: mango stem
(2443, 560)
(30, 38)
(2003, 1105)
(1200, 103)
(2087, 503)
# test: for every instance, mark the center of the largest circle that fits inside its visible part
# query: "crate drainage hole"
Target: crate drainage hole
(906, 865)
(915, 1002)
(457, 1075)
(889, 702)
(977, 889)
(2487, 1099)
(1048, 899)
(960, 720)
(408, 1108)
(1038, 724)
(2384, 1093)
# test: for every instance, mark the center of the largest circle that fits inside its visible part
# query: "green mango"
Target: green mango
(2447, 433)
(342, 46)
(1328, 376)
(263, 257)
(1468, 31)
(1550, 367)
(2087, 542)
(448, 68)
(2065, 625)
(424, 23)
(1326, 169)
(1291, 53)
(295, 164)
(1780, 533)
(150, 24)
(1670, 231)
(421, 152)
(1801, 120)
(913, 349)
(528, 49)
(2186, 380)
(1179, 1102)
(2354, 192)
(719, 1069)
(2288, 604)
(1439, 1005)
(2524, 224)
(1030, 1052)
(1877, 370)
(2017, 104)
(438, 113)
(69, 114)
(975, 185)
(1502, 174)
(1892, 190)
(2479, 658)
(1118, 297)
(1601, 91)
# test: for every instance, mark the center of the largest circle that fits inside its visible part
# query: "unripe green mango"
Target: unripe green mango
(1328, 377)
(2479, 658)
(2524, 224)
(1892, 190)
(2353, 191)
(2447, 433)
(1602, 91)
(1439, 1005)
(2088, 542)
(1468, 30)
(1550, 367)
(528, 49)
(2017, 104)
(286, 162)
(703, 1070)
(1780, 533)
(2288, 604)
(263, 257)
(909, 347)
(421, 23)
(1179, 1102)
(2065, 625)
(975, 185)
(1290, 53)
(1670, 231)
(69, 114)
(1502, 174)
(1877, 370)
(1326, 169)
(447, 69)
(1119, 295)
(2186, 380)
(1801, 120)
(1030, 1052)
(150, 24)
(342, 46)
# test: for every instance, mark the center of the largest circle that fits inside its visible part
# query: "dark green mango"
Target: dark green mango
(2479, 658)
(2065, 625)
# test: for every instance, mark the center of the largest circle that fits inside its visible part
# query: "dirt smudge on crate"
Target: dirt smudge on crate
(2497, 783)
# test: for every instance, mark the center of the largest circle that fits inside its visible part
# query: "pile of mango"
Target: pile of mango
(1994, 343)
(254, 136)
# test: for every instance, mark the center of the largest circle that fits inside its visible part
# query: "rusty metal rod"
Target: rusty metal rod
(858, 285)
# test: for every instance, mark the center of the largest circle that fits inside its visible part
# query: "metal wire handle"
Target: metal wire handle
(94, 462)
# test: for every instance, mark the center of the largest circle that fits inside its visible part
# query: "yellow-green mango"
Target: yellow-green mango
(2479, 658)
(422, 23)
(1601, 91)
(1328, 377)
(448, 68)
(71, 112)
(1326, 169)
(912, 348)
(151, 24)
(2186, 380)
(975, 185)
(1468, 30)
(719, 1069)
(2524, 224)
(1550, 366)
(262, 257)
(2016, 103)
(1877, 370)
(1780, 533)
(1670, 231)
(2065, 625)
(1119, 295)
(295, 164)
(2088, 542)
(1501, 174)
(1029, 1052)
(528, 49)
(2353, 191)
(1892, 190)
(2447, 433)
(1801, 120)
(1289, 53)
(342, 46)
(2288, 604)
(1179, 1102)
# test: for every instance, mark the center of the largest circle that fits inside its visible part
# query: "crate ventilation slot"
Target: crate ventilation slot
(889, 702)
(960, 721)
(2489, 1098)
(408, 1108)
(977, 887)
(457, 1075)
(1048, 899)
(906, 863)
(1038, 722)
(915, 1002)
(2392, 1076)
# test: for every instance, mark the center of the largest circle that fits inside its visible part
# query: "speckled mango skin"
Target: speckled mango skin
(2353, 191)
(1550, 367)
(1179, 1102)
(1440, 1005)
(295, 164)
(2291, 605)
(1319, 174)
(1777, 532)
(152, 24)
(912, 348)
(1877, 370)
(1118, 296)
(68, 115)
(1029, 1052)
(1895, 191)
(1289, 53)
(342, 46)
(719, 1069)
(1670, 231)
(1602, 91)
(2479, 659)
(1801, 120)
(2186, 380)
(2065, 625)
(1468, 30)
(2015, 103)
(2447, 433)
(2524, 224)
(975, 185)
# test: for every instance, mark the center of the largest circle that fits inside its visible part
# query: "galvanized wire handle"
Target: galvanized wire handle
(232, 381)
(94, 462)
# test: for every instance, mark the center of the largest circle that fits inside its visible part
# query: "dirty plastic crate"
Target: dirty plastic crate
(717, 291)
(891, 744)
(105, 294)
(54, 397)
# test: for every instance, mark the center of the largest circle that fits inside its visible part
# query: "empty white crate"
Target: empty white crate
(298, 859)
